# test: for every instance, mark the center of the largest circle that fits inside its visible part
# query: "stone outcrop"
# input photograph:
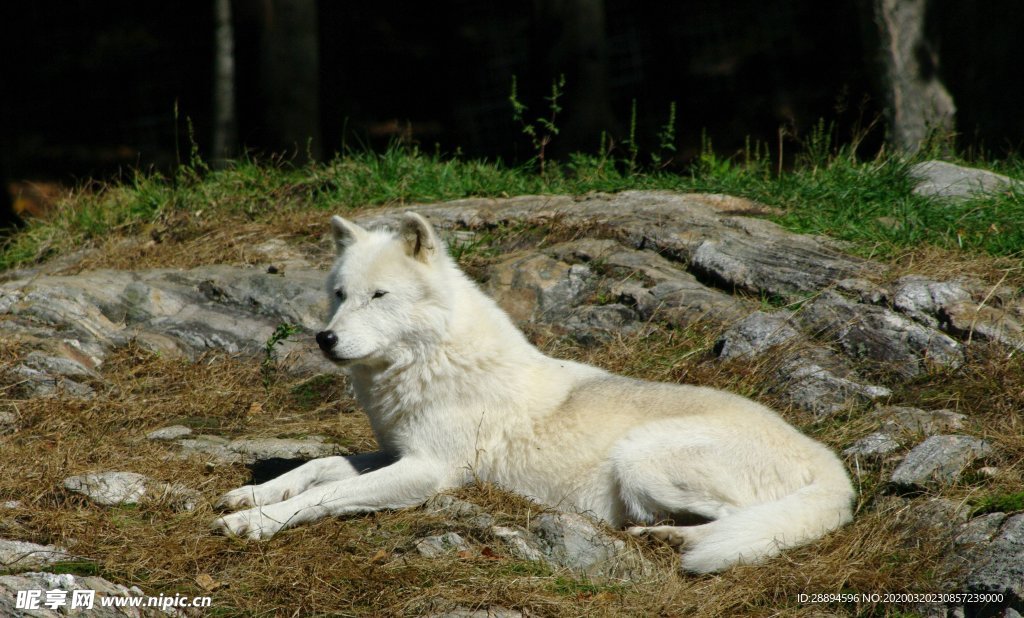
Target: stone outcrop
(832, 334)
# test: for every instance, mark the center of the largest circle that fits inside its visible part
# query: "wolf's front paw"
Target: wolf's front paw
(671, 535)
(250, 524)
(253, 495)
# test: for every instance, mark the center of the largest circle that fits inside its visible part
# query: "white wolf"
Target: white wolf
(454, 392)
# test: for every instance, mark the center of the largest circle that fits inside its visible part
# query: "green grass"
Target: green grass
(868, 203)
(1000, 503)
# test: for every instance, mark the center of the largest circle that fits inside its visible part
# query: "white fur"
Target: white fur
(454, 391)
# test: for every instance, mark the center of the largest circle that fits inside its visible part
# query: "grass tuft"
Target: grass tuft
(868, 203)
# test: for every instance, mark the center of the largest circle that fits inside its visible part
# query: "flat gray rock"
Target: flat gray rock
(169, 433)
(251, 450)
(8, 422)
(814, 381)
(490, 612)
(715, 234)
(441, 544)
(10, 585)
(756, 334)
(976, 322)
(997, 565)
(35, 383)
(925, 299)
(175, 312)
(561, 540)
(126, 488)
(522, 544)
(761, 266)
(914, 421)
(109, 488)
(539, 288)
(939, 460)
(21, 555)
(875, 333)
(956, 182)
(877, 445)
(576, 542)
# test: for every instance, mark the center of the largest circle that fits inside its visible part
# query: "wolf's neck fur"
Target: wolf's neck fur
(481, 360)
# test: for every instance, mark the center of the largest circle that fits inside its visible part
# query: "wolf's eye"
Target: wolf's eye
(379, 293)
(340, 294)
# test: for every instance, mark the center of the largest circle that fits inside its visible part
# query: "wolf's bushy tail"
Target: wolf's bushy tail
(763, 530)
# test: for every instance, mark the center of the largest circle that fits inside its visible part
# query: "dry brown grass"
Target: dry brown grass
(366, 565)
(188, 240)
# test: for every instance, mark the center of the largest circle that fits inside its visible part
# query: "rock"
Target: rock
(125, 488)
(574, 541)
(865, 290)
(460, 510)
(591, 324)
(756, 266)
(252, 450)
(279, 253)
(971, 321)
(875, 333)
(539, 288)
(913, 421)
(522, 544)
(808, 376)
(997, 564)
(815, 380)
(169, 433)
(939, 460)
(58, 365)
(171, 311)
(490, 612)
(561, 540)
(35, 383)
(877, 445)
(8, 422)
(109, 488)
(586, 250)
(11, 585)
(738, 252)
(21, 555)
(755, 334)
(658, 288)
(819, 389)
(937, 515)
(979, 530)
(679, 302)
(924, 299)
(439, 545)
(955, 182)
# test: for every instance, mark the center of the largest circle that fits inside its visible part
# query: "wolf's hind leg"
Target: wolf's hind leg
(664, 473)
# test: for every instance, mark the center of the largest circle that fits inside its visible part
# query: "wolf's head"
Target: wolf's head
(387, 292)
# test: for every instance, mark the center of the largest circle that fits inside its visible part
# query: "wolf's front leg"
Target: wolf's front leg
(407, 482)
(310, 474)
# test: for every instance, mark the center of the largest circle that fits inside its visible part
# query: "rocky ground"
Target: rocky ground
(838, 340)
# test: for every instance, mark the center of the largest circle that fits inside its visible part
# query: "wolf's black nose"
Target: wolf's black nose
(326, 339)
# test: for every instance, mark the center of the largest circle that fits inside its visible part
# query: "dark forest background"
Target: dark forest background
(92, 89)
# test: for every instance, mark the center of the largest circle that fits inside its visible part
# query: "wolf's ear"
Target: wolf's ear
(420, 239)
(345, 233)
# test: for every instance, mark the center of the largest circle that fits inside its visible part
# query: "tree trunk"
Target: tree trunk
(225, 124)
(918, 106)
